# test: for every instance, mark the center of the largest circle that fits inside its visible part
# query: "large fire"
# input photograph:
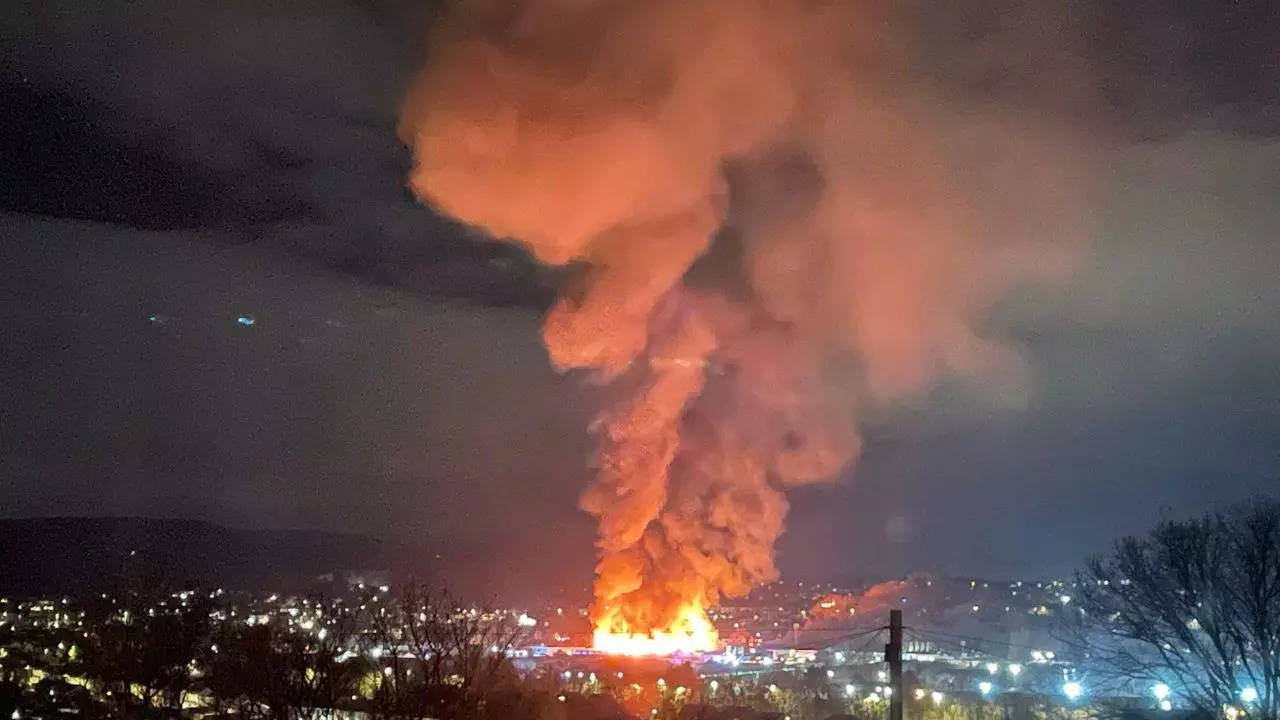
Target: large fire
(625, 139)
(691, 632)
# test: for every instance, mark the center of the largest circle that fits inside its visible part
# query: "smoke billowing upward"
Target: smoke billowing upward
(626, 136)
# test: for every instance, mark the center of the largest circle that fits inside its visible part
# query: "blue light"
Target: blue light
(246, 320)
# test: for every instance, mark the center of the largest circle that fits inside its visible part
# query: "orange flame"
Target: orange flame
(601, 135)
(690, 632)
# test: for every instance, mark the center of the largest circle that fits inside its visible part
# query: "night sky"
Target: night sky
(218, 301)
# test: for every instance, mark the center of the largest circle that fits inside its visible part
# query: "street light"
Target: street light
(1166, 705)
(993, 668)
(984, 687)
(1015, 669)
(1072, 689)
(936, 697)
(1249, 695)
(1160, 690)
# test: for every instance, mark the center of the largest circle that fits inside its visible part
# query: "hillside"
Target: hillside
(79, 555)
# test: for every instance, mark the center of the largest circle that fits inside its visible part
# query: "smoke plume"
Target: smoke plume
(624, 137)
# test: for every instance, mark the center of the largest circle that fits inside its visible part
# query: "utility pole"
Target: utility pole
(893, 656)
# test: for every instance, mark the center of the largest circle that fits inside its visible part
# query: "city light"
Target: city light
(993, 668)
(1166, 705)
(849, 690)
(1072, 690)
(1249, 695)
(1160, 690)
(984, 687)
(1015, 669)
(936, 697)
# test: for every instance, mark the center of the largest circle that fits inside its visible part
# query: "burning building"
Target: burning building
(623, 137)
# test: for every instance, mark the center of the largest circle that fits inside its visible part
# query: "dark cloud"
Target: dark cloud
(130, 388)
(237, 157)
(1140, 70)
(276, 118)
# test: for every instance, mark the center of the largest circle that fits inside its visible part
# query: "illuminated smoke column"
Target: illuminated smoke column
(621, 136)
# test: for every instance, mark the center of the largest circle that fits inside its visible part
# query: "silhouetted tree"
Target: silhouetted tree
(1195, 605)
(141, 652)
(436, 658)
(275, 672)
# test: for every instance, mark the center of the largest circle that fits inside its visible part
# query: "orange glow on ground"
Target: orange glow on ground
(691, 633)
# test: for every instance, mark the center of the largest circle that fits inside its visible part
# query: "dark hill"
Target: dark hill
(81, 555)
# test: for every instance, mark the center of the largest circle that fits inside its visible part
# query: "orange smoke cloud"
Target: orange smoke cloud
(598, 132)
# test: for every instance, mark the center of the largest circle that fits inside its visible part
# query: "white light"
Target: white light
(1249, 695)
(882, 676)
(984, 687)
(714, 685)
(839, 657)
(1064, 599)
(993, 668)
(888, 691)
(1015, 669)
(1166, 705)
(767, 661)
(831, 673)
(849, 690)
(1160, 690)
(936, 697)
(1072, 690)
